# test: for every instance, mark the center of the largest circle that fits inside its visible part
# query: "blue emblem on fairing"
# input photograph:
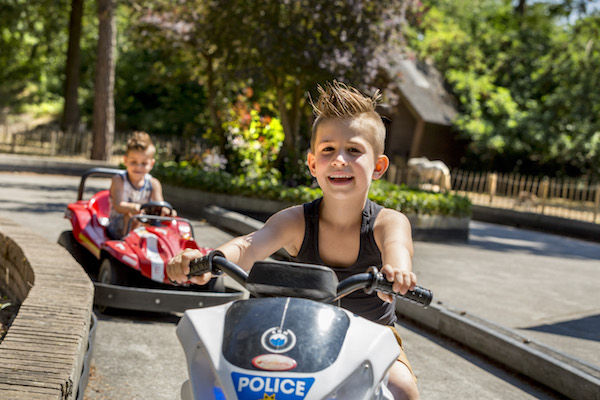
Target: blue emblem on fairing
(278, 340)
(253, 387)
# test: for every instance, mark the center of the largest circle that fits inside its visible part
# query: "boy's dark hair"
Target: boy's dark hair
(339, 101)
(140, 141)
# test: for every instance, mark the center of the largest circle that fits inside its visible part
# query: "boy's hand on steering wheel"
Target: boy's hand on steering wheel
(179, 267)
(403, 281)
(168, 212)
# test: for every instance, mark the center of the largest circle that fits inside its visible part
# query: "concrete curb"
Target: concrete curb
(43, 352)
(544, 223)
(558, 371)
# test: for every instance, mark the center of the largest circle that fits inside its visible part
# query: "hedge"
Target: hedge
(398, 197)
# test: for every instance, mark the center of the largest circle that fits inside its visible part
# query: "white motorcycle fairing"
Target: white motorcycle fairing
(283, 348)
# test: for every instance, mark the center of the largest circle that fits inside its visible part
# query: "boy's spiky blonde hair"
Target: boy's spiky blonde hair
(140, 141)
(339, 101)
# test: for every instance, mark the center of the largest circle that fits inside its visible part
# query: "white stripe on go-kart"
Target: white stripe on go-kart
(157, 263)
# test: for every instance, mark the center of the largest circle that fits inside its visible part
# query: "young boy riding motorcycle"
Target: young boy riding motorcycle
(344, 229)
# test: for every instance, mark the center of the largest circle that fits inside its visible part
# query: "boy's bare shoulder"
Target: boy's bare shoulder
(389, 219)
(155, 183)
(291, 215)
(116, 181)
(288, 225)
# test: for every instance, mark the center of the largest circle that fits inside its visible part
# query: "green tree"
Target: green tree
(104, 107)
(289, 46)
(70, 119)
(32, 38)
(569, 113)
(515, 70)
(279, 48)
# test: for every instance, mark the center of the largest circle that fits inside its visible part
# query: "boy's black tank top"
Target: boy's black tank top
(360, 303)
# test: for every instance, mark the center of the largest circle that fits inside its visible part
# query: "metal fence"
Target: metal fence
(568, 198)
(49, 140)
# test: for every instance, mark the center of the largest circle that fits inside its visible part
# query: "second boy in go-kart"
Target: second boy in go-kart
(133, 187)
(343, 229)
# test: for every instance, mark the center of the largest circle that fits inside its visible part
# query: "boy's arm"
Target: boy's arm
(116, 197)
(393, 237)
(283, 229)
(157, 195)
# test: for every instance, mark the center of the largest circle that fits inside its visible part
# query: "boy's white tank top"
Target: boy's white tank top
(133, 195)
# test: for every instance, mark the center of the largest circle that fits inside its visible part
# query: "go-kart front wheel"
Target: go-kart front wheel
(112, 272)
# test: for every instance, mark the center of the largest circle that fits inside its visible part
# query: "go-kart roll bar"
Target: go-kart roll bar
(100, 172)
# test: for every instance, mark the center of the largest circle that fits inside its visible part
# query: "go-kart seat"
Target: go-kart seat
(99, 205)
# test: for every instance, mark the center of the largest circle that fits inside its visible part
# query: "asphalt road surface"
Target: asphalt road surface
(137, 355)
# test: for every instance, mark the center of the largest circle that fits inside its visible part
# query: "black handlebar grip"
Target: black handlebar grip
(418, 295)
(199, 266)
(202, 265)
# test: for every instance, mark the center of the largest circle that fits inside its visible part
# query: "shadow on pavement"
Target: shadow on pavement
(506, 239)
(517, 380)
(583, 328)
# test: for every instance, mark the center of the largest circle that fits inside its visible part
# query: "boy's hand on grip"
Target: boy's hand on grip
(403, 281)
(178, 268)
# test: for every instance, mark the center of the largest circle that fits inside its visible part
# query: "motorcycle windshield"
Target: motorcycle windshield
(282, 334)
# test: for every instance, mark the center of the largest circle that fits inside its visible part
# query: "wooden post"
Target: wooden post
(462, 180)
(53, 135)
(391, 173)
(544, 192)
(492, 184)
(597, 203)
(417, 138)
(535, 190)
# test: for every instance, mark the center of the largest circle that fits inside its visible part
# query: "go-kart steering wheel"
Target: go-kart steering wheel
(155, 208)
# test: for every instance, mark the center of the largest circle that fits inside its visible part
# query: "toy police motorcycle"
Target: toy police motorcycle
(289, 342)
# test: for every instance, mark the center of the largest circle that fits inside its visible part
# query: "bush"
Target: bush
(408, 201)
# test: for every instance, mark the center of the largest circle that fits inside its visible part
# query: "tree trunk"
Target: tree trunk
(520, 8)
(104, 107)
(290, 117)
(290, 121)
(70, 118)
(212, 103)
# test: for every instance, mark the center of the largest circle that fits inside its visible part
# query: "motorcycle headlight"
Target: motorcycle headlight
(354, 387)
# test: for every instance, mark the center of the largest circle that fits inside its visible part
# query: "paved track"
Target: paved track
(137, 355)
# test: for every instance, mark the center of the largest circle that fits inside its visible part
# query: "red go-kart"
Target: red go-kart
(132, 270)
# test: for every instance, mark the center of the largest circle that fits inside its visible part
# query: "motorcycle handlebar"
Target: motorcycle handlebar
(372, 280)
(202, 265)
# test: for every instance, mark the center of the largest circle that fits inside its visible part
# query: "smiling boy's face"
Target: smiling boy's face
(343, 159)
(139, 163)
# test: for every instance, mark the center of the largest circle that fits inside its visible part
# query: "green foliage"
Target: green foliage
(387, 194)
(32, 51)
(411, 201)
(522, 81)
(287, 47)
(253, 140)
(155, 93)
(185, 174)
